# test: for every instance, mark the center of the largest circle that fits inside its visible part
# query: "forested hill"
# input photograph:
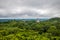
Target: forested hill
(54, 19)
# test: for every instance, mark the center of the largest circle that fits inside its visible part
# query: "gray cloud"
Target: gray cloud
(29, 8)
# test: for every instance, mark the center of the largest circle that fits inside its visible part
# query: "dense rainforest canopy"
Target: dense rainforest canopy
(30, 30)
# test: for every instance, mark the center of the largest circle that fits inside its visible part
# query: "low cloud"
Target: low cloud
(29, 8)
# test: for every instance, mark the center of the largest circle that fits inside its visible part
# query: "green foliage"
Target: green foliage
(30, 30)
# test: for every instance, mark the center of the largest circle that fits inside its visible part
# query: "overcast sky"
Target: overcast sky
(29, 8)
